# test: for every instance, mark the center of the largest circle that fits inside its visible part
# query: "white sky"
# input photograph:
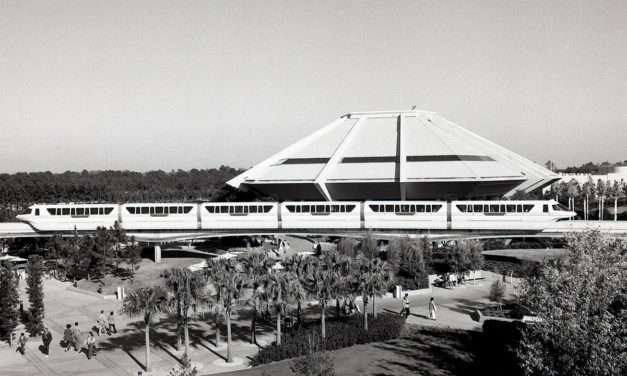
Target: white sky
(146, 85)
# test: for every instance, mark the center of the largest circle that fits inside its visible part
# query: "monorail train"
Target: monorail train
(419, 215)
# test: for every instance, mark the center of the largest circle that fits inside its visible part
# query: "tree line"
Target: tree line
(579, 196)
(19, 190)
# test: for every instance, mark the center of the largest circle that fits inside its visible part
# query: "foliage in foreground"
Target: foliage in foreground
(582, 302)
(35, 291)
(9, 299)
(314, 363)
(340, 334)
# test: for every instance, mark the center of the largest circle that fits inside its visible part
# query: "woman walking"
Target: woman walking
(432, 309)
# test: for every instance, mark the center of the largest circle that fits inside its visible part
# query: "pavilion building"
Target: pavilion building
(393, 155)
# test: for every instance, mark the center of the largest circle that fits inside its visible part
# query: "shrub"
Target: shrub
(497, 291)
(340, 334)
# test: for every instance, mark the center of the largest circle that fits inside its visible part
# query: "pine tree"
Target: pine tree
(35, 293)
(10, 300)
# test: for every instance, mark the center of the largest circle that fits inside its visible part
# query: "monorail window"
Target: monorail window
(422, 208)
(494, 208)
(65, 211)
(527, 208)
(469, 208)
(510, 208)
(159, 210)
(72, 211)
(108, 211)
(145, 210)
(187, 209)
(428, 207)
(461, 208)
(175, 209)
(80, 211)
(335, 208)
(210, 209)
(374, 208)
(291, 208)
(131, 210)
(389, 208)
(253, 209)
(436, 208)
(52, 211)
(93, 211)
(350, 208)
(545, 208)
(37, 211)
(224, 209)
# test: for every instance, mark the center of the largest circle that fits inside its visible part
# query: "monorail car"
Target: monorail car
(421, 215)
(506, 215)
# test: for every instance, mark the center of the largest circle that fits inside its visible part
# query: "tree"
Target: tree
(185, 286)
(346, 247)
(35, 291)
(320, 282)
(229, 284)
(256, 265)
(9, 299)
(497, 292)
(276, 288)
(372, 279)
(298, 265)
(581, 301)
(147, 302)
(132, 254)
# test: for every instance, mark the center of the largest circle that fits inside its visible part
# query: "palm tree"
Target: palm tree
(372, 278)
(256, 265)
(297, 265)
(146, 301)
(320, 282)
(228, 284)
(185, 287)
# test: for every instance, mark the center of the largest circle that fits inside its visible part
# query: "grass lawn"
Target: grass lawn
(420, 351)
(148, 274)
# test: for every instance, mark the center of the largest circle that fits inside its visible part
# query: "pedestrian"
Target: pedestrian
(102, 323)
(91, 345)
(432, 309)
(76, 336)
(67, 337)
(405, 311)
(111, 321)
(21, 344)
(46, 338)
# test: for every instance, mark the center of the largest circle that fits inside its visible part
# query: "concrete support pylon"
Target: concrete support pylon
(157, 253)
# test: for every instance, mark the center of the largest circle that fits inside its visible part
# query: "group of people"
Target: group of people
(432, 307)
(72, 336)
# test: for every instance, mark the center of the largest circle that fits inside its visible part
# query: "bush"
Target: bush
(496, 352)
(340, 334)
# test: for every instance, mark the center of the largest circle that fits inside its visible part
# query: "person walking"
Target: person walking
(102, 323)
(91, 345)
(67, 337)
(76, 336)
(432, 309)
(111, 321)
(405, 311)
(21, 344)
(46, 339)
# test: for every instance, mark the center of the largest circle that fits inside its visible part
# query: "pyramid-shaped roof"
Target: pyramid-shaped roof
(393, 155)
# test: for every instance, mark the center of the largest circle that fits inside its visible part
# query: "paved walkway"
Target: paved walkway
(124, 353)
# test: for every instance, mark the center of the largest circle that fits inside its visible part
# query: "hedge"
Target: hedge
(339, 334)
